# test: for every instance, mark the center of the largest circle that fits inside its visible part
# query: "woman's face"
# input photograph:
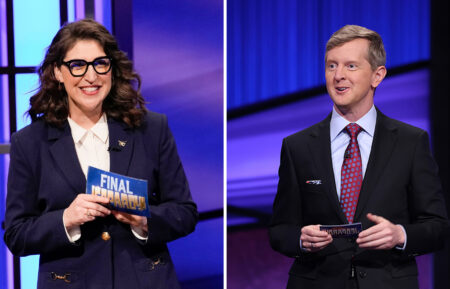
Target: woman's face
(85, 93)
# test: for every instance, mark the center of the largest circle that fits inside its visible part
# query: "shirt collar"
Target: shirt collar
(100, 129)
(367, 122)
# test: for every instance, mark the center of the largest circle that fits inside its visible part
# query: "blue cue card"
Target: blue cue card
(125, 194)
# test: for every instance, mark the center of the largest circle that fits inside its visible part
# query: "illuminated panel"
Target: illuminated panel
(6, 265)
(30, 42)
(35, 24)
(98, 10)
(79, 9)
(4, 102)
(3, 35)
(26, 85)
(29, 267)
(102, 9)
(71, 10)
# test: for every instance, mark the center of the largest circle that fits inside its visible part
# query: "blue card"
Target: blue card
(343, 231)
(125, 194)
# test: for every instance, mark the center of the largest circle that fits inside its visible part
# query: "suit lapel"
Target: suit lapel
(65, 156)
(383, 144)
(321, 151)
(121, 143)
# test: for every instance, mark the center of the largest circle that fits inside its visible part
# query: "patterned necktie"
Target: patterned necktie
(351, 173)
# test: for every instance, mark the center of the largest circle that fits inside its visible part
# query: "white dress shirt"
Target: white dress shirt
(91, 146)
(340, 140)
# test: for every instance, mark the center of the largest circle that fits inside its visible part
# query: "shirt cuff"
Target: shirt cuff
(406, 238)
(139, 233)
(301, 246)
(73, 234)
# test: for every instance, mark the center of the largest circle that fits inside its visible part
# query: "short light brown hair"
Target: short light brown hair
(376, 54)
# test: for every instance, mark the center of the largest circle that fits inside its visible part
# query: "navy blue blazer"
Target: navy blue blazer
(401, 184)
(45, 177)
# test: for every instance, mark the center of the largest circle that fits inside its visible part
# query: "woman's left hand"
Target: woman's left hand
(133, 220)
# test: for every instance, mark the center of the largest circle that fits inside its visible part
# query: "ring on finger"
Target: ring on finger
(312, 245)
(88, 213)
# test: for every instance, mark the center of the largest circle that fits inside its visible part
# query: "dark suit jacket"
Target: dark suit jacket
(45, 177)
(401, 184)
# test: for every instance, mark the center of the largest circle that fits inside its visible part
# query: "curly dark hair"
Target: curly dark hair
(124, 102)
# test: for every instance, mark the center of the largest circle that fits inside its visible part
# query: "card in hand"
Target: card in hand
(349, 231)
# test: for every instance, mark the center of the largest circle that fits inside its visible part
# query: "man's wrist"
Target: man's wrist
(401, 233)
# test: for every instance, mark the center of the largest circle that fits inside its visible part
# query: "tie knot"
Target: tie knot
(353, 129)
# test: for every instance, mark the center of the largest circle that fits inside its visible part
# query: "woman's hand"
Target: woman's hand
(85, 208)
(133, 220)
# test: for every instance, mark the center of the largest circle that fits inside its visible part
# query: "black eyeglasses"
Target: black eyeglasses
(79, 67)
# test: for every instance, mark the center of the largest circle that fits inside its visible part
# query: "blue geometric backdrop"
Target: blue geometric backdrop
(277, 47)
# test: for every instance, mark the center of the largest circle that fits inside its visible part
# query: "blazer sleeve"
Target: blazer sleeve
(285, 225)
(29, 230)
(175, 215)
(427, 210)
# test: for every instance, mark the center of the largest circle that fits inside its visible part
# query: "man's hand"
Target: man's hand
(313, 239)
(383, 236)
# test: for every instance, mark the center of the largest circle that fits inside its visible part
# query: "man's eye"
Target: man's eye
(352, 66)
(331, 66)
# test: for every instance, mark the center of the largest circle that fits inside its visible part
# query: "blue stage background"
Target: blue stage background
(275, 87)
(178, 51)
(277, 47)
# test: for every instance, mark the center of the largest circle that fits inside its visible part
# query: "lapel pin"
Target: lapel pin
(314, 182)
(122, 143)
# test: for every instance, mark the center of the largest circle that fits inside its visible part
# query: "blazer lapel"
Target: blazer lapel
(383, 144)
(121, 143)
(65, 156)
(321, 151)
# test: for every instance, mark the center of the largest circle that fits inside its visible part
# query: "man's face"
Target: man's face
(351, 82)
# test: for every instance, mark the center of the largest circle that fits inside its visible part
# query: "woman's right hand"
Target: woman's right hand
(85, 208)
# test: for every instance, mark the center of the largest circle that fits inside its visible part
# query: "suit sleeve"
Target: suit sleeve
(286, 222)
(176, 214)
(427, 210)
(29, 230)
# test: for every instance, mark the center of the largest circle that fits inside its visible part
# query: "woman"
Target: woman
(89, 112)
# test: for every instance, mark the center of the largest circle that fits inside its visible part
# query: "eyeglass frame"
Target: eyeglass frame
(67, 63)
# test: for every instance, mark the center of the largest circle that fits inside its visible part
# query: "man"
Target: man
(357, 165)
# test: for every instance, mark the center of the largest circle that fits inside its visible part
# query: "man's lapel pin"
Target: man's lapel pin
(122, 143)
